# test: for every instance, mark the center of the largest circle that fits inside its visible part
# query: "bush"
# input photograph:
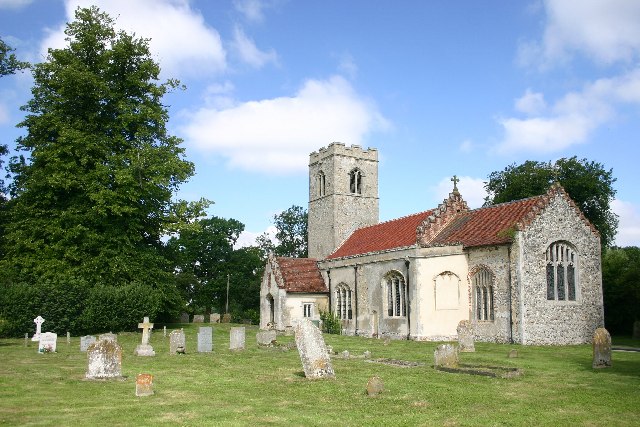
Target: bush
(331, 323)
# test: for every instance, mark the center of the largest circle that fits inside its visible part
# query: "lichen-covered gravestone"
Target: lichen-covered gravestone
(601, 348)
(313, 351)
(465, 336)
(446, 355)
(48, 342)
(177, 342)
(266, 338)
(375, 386)
(205, 339)
(198, 318)
(104, 360)
(237, 338)
(144, 385)
(86, 341)
(214, 318)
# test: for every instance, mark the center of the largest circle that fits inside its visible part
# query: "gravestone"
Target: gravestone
(198, 318)
(86, 341)
(345, 354)
(446, 355)
(237, 338)
(288, 331)
(48, 342)
(316, 362)
(145, 349)
(266, 338)
(375, 386)
(184, 318)
(164, 331)
(465, 337)
(214, 318)
(26, 339)
(601, 348)
(226, 318)
(144, 385)
(110, 336)
(636, 330)
(513, 353)
(177, 342)
(68, 337)
(366, 354)
(205, 339)
(38, 321)
(104, 360)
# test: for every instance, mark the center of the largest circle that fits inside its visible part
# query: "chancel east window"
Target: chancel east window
(343, 302)
(562, 265)
(396, 295)
(483, 289)
(355, 182)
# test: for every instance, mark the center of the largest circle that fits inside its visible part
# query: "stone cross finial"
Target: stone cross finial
(455, 180)
(146, 327)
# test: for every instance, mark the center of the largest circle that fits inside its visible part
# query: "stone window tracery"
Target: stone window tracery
(483, 287)
(561, 270)
(343, 302)
(396, 294)
(321, 184)
(355, 181)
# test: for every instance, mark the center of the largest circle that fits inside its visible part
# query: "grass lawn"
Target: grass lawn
(266, 386)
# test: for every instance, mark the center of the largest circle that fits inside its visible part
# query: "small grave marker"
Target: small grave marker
(144, 385)
(68, 337)
(465, 337)
(214, 318)
(198, 318)
(86, 341)
(266, 338)
(601, 348)
(226, 318)
(26, 339)
(48, 341)
(104, 360)
(38, 321)
(313, 351)
(110, 336)
(205, 339)
(177, 342)
(513, 354)
(184, 318)
(446, 355)
(164, 331)
(237, 338)
(375, 386)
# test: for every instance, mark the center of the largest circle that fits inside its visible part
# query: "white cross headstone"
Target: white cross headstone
(145, 349)
(38, 321)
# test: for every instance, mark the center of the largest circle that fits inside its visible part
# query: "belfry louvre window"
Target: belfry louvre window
(355, 182)
(396, 295)
(343, 302)
(562, 262)
(321, 183)
(483, 287)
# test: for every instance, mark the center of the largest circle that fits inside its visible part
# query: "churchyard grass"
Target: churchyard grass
(266, 386)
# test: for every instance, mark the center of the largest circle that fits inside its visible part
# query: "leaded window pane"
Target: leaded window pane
(551, 294)
(560, 282)
(571, 282)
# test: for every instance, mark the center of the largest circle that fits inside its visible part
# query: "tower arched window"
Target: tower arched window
(396, 294)
(355, 181)
(343, 302)
(483, 290)
(321, 184)
(562, 268)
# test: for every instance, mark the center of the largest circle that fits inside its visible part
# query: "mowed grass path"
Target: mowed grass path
(264, 387)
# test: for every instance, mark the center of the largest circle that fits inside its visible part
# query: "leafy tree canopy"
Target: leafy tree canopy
(9, 64)
(589, 184)
(621, 288)
(291, 234)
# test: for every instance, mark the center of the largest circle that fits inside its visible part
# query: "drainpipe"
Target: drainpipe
(407, 264)
(329, 279)
(509, 288)
(355, 274)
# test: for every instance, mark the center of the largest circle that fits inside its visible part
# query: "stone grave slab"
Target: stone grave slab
(144, 385)
(108, 336)
(104, 360)
(86, 341)
(205, 339)
(316, 362)
(48, 342)
(198, 318)
(375, 386)
(214, 318)
(446, 355)
(237, 338)
(184, 318)
(226, 318)
(465, 337)
(266, 338)
(177, 342)
(601, 348)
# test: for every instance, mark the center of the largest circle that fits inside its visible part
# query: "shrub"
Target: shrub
(331, 323)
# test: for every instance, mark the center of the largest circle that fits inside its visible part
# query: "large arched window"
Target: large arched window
(355, 181)
(562, 268)
(343, 302)
(483, 294)
(396, 294)
(321, 184)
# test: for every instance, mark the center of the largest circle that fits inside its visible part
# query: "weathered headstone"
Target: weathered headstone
(465, 337)
(144, 385)
(601, 348)
(38, 321)
(86, 341)
(214, 318)
(375, 386)
(177, 342)
(104, 360)
(636, 330)
(198, 318)
(313, 351)
(446, 355)
(68, 337)
(48, 342)
(366, 354)
(266, 338)
(110, 336)
(145, 349)
(226, 318)
(513, 353)
(184, 318)
(237, 338)
(164, 331)
(26, 339)
(205, 339)
(345, 354)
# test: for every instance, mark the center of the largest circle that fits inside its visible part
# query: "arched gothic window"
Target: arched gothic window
(396, 294)
(321, 184)
(562, 266)
(483, 289)
(355, 181)
(343, 302)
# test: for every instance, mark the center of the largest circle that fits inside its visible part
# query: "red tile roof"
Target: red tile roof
(301, 275)
(393, 234)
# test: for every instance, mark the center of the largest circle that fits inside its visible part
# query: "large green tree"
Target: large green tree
(291, 234)
(621, 288)
(92, 189)
(9, 63)
(588, 183)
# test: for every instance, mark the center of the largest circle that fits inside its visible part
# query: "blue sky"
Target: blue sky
(438, 87)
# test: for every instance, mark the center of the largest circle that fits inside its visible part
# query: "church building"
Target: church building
(527, 271)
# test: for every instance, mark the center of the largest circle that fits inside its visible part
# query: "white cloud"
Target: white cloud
(629, 226)
(14, 4)
(276, 135)
(531, 103)
(248, 52)
(466, 146)
(172, 27)
(248, 238)
(250, 9)
(471, 189)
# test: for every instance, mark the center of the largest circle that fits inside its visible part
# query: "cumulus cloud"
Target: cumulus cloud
(14, 4)
(629, 226)
(471, 189)
(531, 103)
(249, 52)
(248, 238)
(252, 10)
(172, 27)
(275, 136)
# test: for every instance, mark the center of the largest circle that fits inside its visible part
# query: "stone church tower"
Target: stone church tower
(343, 195)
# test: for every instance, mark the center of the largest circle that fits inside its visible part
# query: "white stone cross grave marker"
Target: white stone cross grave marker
(38, 321)
(145, 349)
